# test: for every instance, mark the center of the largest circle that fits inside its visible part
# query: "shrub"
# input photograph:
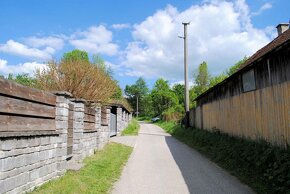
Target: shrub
(79, 77)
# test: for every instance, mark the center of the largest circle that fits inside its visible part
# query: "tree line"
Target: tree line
(168, 102)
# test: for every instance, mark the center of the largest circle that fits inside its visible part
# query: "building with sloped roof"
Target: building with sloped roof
(254, 102)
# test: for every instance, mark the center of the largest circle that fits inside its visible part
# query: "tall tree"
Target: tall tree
(202, 78)
(75, 55)
(178, 89)
(162, 97)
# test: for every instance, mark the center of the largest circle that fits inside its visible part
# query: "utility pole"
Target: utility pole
(137, 113)
(186, 92)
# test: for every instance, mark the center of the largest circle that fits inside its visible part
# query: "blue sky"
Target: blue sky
(136, 38)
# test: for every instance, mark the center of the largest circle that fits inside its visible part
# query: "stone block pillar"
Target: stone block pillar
(119, 119)
(108, 131)
(61, 121)
(98, 125)
(78, 129)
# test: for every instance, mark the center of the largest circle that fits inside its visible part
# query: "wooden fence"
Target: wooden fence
(25, 109)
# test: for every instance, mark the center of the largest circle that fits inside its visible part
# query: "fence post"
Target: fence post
(61, 122)
(78, 129)
(119, 119)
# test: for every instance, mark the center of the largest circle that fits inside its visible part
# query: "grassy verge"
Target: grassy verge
(264, 167)
(97, 176)
(132, 128)
(144, 118)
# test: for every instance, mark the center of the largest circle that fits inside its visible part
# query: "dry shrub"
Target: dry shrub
(82, 79)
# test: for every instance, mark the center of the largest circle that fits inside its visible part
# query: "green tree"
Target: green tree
(217, 79)
(163, 98)
(179, 89)
(138, 90)
(235, 67)
(101, 64)
(202, 78)
(23, 79)
(75, 55)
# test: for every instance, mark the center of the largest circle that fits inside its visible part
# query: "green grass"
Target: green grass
(97, 176)
(144, 118)
(132, 128)
(264, 167)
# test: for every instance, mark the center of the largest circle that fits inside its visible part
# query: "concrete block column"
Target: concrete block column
(119, 119)
(108, 130)
(61, 121)
(98, 125)
(78, 129)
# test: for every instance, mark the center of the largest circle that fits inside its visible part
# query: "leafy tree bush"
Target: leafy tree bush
(75, 74)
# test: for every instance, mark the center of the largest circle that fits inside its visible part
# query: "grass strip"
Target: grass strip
(97, 176)
(132, 128)
(262, 166)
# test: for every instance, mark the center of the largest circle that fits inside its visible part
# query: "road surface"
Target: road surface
(160, 164)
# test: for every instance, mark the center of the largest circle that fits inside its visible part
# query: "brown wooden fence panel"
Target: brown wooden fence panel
(17, 90)
(104, 119)
(16, 106)
(11, 123)
(25, 109)
(89, 120)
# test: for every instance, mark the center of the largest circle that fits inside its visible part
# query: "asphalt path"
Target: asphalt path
(160, 164)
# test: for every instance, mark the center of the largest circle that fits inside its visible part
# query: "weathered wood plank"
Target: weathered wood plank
(89, 126)
(89, 118)
(17, 106)
(18, 123)
(90, 111)
(14, 89)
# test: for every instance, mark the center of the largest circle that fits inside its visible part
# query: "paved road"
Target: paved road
(161, 164)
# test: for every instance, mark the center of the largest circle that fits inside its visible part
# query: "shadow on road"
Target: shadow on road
(202, 175)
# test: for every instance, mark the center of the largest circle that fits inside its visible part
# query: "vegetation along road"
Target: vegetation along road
(162, 164)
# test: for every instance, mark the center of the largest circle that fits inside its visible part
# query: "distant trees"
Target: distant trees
(23, 79)
(138, 90)
(163, 98)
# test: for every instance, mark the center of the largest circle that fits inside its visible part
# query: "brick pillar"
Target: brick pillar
(78, 129)
(61, 122)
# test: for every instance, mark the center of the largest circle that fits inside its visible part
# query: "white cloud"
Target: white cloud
(121, 26)
(95, 40)
(28, 67)
(50, 41)
(19, 49)
(172, 83)
(220, 33)
(262, 9)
